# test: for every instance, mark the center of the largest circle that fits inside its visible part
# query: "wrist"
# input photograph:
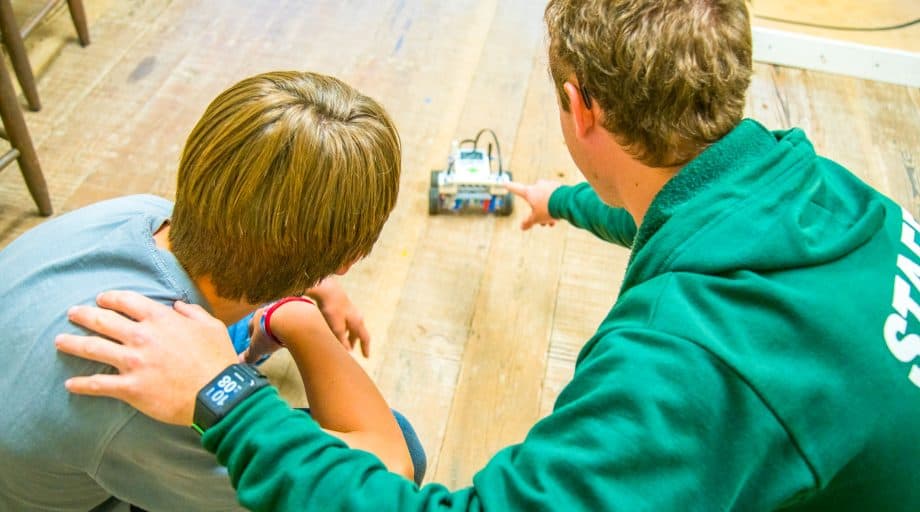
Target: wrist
(556, 201)
(224, 392)
(274, 322)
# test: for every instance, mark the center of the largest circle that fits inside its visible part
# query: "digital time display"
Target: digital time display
(225, 389)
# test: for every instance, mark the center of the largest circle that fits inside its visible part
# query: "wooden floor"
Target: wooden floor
(476, 324)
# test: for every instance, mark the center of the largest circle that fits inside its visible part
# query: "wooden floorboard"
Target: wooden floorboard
(476, 324)
(497, 394)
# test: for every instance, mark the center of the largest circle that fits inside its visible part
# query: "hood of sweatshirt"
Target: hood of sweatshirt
(756, 200)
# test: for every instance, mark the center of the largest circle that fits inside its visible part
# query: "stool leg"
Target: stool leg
(13, 42)
(18, 133)
(78, 15)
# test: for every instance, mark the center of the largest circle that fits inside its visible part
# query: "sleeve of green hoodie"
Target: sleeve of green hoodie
(649, 422)
(580, 205)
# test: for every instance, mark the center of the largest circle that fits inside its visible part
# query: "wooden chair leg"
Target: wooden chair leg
(78, 15)
(12, 39)
(18, 133)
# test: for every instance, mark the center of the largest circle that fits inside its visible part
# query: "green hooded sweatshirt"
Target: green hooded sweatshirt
(762, 355)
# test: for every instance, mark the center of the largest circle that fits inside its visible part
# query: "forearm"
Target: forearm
(278, 459)
(343, 399)
(580, 206)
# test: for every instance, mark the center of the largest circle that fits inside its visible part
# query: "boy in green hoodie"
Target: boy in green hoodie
(763, 352)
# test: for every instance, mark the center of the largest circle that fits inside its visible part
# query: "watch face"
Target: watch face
(227, 387)
(223, 393)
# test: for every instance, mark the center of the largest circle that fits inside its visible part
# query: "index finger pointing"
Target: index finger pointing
(131, 304)
(516, 188)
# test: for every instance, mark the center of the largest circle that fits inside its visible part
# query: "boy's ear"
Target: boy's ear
(581, 108)
(344, 268)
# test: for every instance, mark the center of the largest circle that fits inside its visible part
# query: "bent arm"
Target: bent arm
(343, 399)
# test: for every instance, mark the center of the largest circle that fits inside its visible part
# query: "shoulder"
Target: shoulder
(138, 204)
(99, 217)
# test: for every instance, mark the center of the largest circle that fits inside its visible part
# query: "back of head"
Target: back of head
(287, 177)
(670, 75)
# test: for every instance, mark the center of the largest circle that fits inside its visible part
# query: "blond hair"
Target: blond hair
(670, 75)
(287, 177)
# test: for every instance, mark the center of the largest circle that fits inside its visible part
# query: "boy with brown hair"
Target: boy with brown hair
(287, 178)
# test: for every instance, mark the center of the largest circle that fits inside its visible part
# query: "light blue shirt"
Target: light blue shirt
(66, 452)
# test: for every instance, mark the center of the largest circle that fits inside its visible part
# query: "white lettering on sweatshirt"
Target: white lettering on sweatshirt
(905, 346)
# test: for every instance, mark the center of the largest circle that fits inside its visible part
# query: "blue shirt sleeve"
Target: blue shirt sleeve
(239, 333)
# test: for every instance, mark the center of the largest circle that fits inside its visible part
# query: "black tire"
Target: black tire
(434, 201)
(508, 200)
(507, 205)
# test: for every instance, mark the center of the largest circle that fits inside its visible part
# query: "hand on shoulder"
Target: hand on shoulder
(150, 344)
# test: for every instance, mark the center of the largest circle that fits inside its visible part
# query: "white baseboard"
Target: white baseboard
(839, 57)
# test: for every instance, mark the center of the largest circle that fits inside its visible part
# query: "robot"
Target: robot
(469, 184)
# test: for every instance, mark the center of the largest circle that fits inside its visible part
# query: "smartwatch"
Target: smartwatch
(224, 392)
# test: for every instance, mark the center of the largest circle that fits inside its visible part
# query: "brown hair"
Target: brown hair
(670, 75)
(286, 177)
